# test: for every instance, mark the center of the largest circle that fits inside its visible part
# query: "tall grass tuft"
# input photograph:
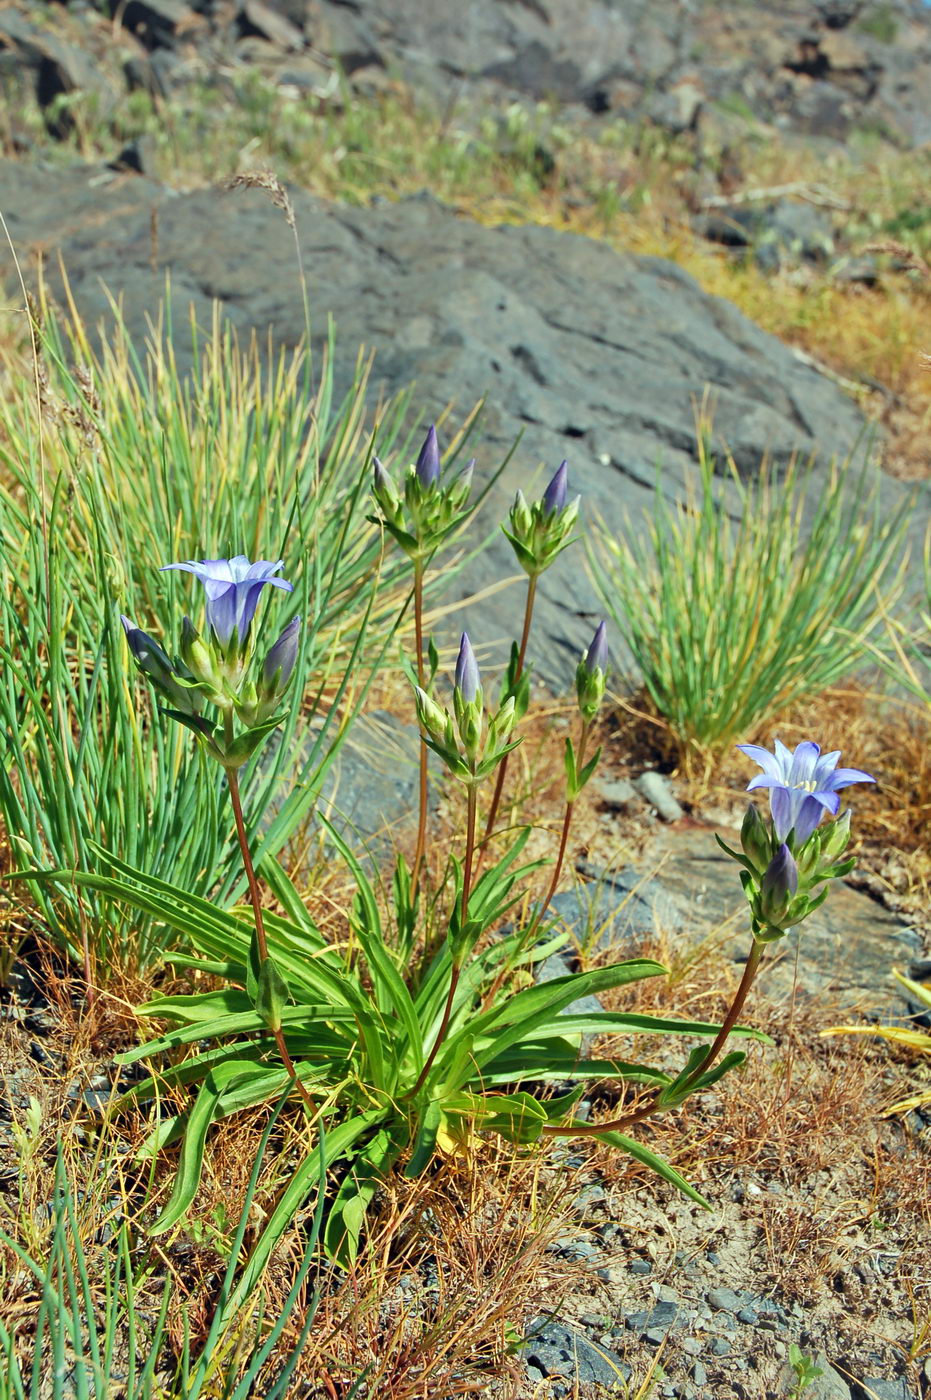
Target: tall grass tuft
(88, 1313)
(729, 621)
(132, 464)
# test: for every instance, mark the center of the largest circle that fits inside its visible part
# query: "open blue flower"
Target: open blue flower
(233, 587)
(803, 785)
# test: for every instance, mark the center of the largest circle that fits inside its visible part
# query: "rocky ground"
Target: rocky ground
(598, 356)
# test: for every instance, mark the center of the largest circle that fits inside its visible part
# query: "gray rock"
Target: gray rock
(720, 1346)
(830, 1385)
(57, 67)
(156, 22)
(255, 17)
(847, 947)
(655, 789)
(725, 1300)
(617, 793)
(699, 1373)
(595, 355)
(557, 1349)
(882, 1388)
(660, 1318)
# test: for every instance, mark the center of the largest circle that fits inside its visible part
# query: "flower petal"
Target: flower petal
(803, 762)
(845, 776)
(780, 804)
(809, 815)
(767, 761)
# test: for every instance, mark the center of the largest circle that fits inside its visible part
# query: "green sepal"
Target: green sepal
(738, 856)
(243, 747)
(272, 995)
(525, 557)
(433, 661)
(196, 723)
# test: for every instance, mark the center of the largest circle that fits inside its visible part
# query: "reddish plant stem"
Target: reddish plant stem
(261, 939)
(457, 966)
(503, 766)
(422, 682)
(554, 882)
(647, 1111)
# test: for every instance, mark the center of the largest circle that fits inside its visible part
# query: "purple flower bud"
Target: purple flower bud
(383, 482)
(428, 463)
(468, 679)
(778, 885)
(282, 656)
(154, 662)
(464, 479)
(554, 497)
(596, 658)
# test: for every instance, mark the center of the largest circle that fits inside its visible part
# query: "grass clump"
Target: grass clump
(129, 464)
(729, 622)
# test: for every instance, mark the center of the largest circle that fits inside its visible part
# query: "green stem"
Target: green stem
(730, 1021)
(463, 916)
(256, 898)
(422, 682)
(503, 766)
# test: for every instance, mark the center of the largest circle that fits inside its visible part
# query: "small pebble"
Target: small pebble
(640, 1266)
(699, 1374)
(720, 1346)
(724, 1299)
(656, 790)
(692, 1346)
(748, 1316)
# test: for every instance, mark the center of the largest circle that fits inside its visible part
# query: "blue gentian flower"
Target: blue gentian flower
(803, 785)
(233, 587)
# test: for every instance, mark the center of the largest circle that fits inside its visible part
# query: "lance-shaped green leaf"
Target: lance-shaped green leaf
(191, 1163)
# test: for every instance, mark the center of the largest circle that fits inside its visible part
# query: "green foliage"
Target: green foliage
(135, 465)
(879, 21)
(806, 1372)
(747, 596)
(101, 1324)
(360, 1036)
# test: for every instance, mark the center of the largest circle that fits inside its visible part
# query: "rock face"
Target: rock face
(591, 355)
(817, 69)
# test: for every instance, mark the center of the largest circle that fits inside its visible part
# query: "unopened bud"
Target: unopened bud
(755, 840)
(428, 462)
(468, 680)
(384, 488)
(153, 661)
(778, 886)
(590, 681)
(279, 663)
(554, 497)
(431, 717)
